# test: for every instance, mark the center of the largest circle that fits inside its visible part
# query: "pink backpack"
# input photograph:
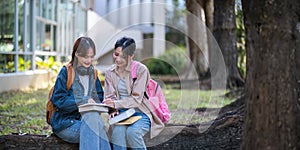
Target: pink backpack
(155, 95)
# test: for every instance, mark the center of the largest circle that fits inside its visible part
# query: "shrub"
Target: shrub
(169, 63)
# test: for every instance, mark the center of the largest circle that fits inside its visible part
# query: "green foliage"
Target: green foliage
(22, 65)
(6, 47)
(9, 67)
(157, 66)
(25, 65)
(48, 64)
(7, 13)
(170, 63)
(241, 41)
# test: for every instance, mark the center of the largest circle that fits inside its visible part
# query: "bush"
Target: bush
(169, 63)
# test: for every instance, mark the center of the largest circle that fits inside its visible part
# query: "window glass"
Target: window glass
(7, 13)
(46, 28)
(7, 30)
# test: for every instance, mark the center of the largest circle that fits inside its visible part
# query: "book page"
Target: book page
(122, 116)
(100, 107)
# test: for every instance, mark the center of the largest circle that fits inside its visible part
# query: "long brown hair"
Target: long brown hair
(81, 45)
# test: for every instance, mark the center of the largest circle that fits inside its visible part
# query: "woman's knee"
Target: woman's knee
(70, 134)
(134, 133)
(119, 131)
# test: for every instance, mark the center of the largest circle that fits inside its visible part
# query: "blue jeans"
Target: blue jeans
(89, 132)
(133, 134)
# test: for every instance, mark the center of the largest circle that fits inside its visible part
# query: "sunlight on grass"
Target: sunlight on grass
(188, 99)
(24, 111)
(183, 105)
(31, 101)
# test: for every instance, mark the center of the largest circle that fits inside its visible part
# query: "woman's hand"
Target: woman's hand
(113, 114)
(109, 102)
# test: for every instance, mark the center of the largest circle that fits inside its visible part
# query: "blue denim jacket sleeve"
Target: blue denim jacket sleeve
(62, 98)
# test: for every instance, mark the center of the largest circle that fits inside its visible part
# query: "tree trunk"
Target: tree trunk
(208, 6)
(197, 40)
(273, 77)
(225, 34)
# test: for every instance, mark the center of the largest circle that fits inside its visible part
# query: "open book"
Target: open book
(100, 107)
(122, 116)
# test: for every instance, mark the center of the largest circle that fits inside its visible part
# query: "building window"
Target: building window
(7, 30)
(45, 28)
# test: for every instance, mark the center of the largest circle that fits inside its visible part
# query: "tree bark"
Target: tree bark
(196, 40)
(225, 34)
(37, 142)
(273, 77)
(208, 7)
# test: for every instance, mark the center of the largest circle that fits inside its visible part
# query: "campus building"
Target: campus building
(35, 31)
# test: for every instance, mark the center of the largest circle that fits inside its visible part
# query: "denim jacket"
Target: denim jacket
(67, 101)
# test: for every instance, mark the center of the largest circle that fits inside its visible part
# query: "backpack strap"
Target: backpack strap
(134, 65)
(95, 75)
(156, 87)
(70, 78)
(71, 75)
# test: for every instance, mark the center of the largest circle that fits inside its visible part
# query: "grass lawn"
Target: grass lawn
(24, 111)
